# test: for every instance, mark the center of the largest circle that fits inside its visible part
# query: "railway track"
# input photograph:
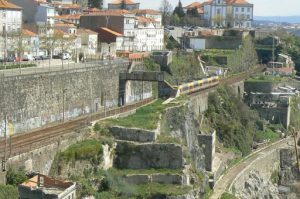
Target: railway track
(25, 142)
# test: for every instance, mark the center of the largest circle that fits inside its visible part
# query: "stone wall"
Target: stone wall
(148, 156)
(208, 143)
(133, 134)
(40, 160)
(266, 165)
(32, 101)
(238, 88)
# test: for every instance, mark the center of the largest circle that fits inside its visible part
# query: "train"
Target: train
(195, 86)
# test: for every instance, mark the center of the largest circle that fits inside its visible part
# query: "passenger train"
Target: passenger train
(196, 86)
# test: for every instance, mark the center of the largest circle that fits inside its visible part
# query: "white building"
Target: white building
(139, 31)
(123, 4)
(10, 26)
(30, 43)
(228, 13)
(89, 41)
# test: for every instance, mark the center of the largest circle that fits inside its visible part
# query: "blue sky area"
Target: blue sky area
(261, 7)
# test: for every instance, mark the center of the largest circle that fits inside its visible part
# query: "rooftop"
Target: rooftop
(146, 11)
(28, 33)
(47, 184)
(86, 31)
(73, 16)
(194, 5)
(128, 2)
(7, 5)
(110, 13)
(111, 31)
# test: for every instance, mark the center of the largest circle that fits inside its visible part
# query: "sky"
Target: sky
(261, 7)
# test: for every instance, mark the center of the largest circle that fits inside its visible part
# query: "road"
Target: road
(225, 181)
(58, 65)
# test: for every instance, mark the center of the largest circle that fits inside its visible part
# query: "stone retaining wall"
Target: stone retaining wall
(133, 134)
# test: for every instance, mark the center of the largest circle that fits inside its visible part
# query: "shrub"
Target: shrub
(9, 192)
(15, 177)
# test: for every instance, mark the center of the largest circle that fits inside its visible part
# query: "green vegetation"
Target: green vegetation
(8, 191)
(295, 112)
(111, 184)
(123, 172)
(15, 177)
(151, 65)
(146, 117)
(228, 196)
(233, 120)
(185, 67)
(13, 66)
(85, 150)
(267, 135)
(267, 78)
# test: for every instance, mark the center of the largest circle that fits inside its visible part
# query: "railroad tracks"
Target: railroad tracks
(18, 144)
(25, 142)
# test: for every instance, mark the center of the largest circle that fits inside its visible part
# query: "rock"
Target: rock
(133, 134)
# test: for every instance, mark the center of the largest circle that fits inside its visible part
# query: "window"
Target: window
(248, 16)
(248, 9)
(219, 1)
(218, 11)
(236, 9)
(243, 9)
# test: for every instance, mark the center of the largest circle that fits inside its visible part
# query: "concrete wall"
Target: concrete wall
(263, 87)
(133, 134)
(266, 165)
(208, 142)
(31, 101)
(238, 88)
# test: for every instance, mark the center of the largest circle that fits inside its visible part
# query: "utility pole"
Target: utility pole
(295, 135)
(273, 54)
(4, 159)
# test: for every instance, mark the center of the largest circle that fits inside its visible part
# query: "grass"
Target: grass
(146, 117)
(164, 138)
(84, 150)
(8, 191)
(228, 196)
(267, 135)
(148, 190)
(13, 66)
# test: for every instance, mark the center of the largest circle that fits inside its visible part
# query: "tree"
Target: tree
(95, 3)
(229, 20)
(123, 4)
(218, 20)
(166, 10)
(179, 10)
(193, 12)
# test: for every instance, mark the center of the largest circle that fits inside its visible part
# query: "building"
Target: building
(36, 12)
(73, 18)
(108, 42)
(139, 33)
(10, 27)
(10, 17)
(41, 186)
(149, 13)
(228, 13)
(195, 8)
(30, 43)
(67, 9)
(123, 4)
(89, 41)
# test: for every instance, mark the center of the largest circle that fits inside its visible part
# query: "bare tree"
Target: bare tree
(218, 20)
(166, 11)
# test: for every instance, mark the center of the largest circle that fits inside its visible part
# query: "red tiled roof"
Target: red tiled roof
(111, 13)
(193, 5)
(69, 25)
(7, 5)
(66, 6)
(128, 2)
(28, 33)
(74, 16)
(111, 31)
(92, 10)
(146, 11)
(146, 20)
(88, 31)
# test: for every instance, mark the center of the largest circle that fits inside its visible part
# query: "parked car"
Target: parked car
(44, 57)
(28, 58)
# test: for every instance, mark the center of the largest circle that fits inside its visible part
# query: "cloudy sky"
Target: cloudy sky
(261, 7)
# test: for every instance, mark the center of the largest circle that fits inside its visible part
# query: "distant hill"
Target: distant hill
(278, 19)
